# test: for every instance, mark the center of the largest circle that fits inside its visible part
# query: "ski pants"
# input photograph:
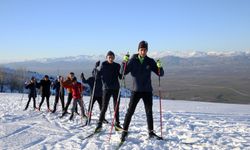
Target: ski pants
(80, 102)
(99, 101)
(34, 102)
(68, 102)
(57, 99)
(105, 102)
(47, 100)
(148, 103)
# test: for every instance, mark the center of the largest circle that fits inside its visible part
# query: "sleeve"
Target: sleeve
(27, 86)
(66, 84)
(126, 67)
(84, 80)
(101, 70)
(118, 71)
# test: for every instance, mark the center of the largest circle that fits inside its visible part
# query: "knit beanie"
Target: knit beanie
(143, 44)
(110, 53)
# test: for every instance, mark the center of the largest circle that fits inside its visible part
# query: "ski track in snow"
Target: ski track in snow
(186, 125)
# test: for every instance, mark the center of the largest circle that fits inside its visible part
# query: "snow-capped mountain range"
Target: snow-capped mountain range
(80, 63)
(186, 73)
(154, 54)
(190, 54)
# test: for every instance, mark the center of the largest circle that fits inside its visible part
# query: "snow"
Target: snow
(197, 54)
(186, 125)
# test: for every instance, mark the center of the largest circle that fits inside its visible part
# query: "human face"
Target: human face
(110, 59)
(142, 52)
(71, 76)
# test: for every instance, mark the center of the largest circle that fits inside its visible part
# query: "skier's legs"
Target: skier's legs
(27, 105)
(90, 107)
(47, 100)
(56, 101)
(68, 102)
(148, 104)
(62, 101)
(43, 97)
(34, 102)
(80, 102)
(99, 101)
(134, 99)
(106, 98)
(115, 100)
(73, 107)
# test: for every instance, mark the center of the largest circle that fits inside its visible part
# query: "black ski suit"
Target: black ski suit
(32, 93)
(59, 93)
(110, 74)
(142, 88)
(45, 88)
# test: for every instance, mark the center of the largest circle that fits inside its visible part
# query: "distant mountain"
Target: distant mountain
(202, 76)
(85, 63)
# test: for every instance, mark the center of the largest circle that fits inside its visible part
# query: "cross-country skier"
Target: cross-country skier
(110, 74)
(32, 85)
(59, 93)
(44, 85)
(140, 67)
(67, 82)
(95, 79)
(77, 89)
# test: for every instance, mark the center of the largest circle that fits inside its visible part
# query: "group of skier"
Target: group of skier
(104, 83)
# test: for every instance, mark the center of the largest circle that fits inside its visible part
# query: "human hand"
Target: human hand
(158, 63)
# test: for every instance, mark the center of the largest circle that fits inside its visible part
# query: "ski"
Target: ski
(90, 135)
(118, 129)
(119, 145)
(86, 137)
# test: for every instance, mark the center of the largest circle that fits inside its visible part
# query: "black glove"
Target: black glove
(97, 64)
(82, 75)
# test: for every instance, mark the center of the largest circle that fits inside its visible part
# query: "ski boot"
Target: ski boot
(124, 136)
(118, 127)
(98, 127)
(152, 135)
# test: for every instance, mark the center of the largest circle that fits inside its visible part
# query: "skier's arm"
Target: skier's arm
(66, 84)
(83, 79)
(118, 70)
(126, 61)
(27, 86)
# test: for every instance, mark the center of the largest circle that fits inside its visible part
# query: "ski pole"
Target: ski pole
(159, 79)
(117, 102)
(92, 99)
(110, 112)
(22, 98)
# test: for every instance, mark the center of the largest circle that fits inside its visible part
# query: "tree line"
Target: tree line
(12, 80)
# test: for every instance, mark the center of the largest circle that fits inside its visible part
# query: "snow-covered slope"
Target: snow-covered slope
(186, 125)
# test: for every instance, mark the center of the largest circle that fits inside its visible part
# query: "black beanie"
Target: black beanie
(143, 44)
(110, 53)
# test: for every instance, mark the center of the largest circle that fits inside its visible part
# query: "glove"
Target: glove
(97, 63)
(82, 75)
(126, 58)
(158, 63)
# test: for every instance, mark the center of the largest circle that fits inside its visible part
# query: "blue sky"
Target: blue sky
(56, 28)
